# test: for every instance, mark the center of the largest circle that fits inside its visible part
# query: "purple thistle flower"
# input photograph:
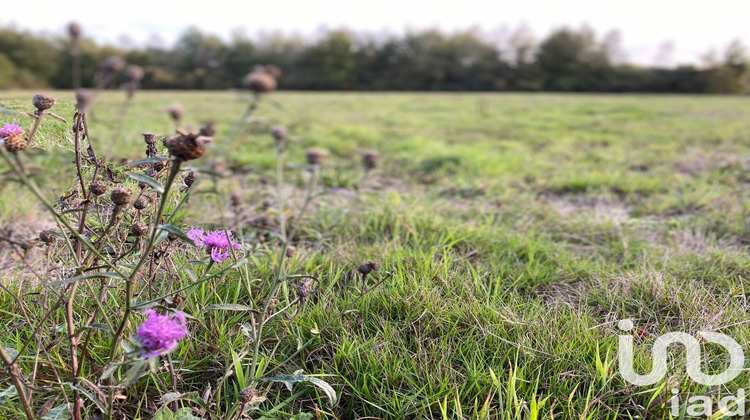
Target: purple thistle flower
(218, 242)
(10, 130)
(159, 333)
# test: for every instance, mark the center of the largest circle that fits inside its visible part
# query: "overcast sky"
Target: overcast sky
(653, 31)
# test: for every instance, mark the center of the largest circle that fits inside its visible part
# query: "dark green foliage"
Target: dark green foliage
(566, 60)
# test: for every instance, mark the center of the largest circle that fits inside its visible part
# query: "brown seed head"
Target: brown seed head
(367, 267)
(134, 73)
(158, 166)
(138, 229)
(140, 204)
(190, 178)
(175, 111)
(290, 251)
(186, 146)
(121, 196)
(47, 236)
(273, 71)
(15, 143)
(98, 188)
(236, 200)
(83, 99)
(219, 166)
(42, 102)
(279, 133)
(315, 156)
(113, 64)
(208, 130)
(259, 80)
(74, 30)
(304, 288)
(370, 159)
(149, 138)
(250, 396)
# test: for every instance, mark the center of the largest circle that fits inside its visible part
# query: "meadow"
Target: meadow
(511, 233)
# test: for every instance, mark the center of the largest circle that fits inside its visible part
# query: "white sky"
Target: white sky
(692, 27)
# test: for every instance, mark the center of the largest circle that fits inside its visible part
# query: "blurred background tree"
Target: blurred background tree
(566, 60)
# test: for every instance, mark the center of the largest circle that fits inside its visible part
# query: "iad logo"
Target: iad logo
(692, 355)
(700, 404)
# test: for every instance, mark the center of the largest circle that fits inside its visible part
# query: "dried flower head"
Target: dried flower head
(140, 204)
(84, 97)
(251, 396)
(186, 146)
(42, 102)
(367, 267)
(74, 30)
(160, 333)
(219, 166)
(12, 137)
(279, 133)
(121, 196)
(260, 80)
(190, 178)
(134, 73)
(138, 229)
(47, 236)
(98, 188)
(175, 111)
(113, 64)
(218, 242)
(304, 288)
(159, 166)
(149, 138)
(273, 71)
(315, 156)
(208, 130)
(370, 159)
(290, 251)
(236, 199)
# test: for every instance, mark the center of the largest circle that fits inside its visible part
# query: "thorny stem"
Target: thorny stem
(174, 170)
(242, 121)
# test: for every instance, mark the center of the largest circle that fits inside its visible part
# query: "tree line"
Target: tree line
(566, 60)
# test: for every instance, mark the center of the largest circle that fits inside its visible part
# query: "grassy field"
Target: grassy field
(518, 230)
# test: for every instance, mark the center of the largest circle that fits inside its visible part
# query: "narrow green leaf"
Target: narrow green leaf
(8, 394)
(61, 412)
(290, 380)
(134, 373)
(156, 185)
(148, 160)
(11, 352)
(175, 231)
(229, 307)
(185, 413)
(87, 276)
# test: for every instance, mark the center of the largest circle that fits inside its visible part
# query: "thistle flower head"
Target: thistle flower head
(42, 102)
(12, 137)
(217, 242)
(74, 29)
(186, 146)
(113, 64)
(10, 130)
(315, 156)
(160, 333)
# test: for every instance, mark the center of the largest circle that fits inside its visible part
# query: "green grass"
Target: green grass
(519, 229)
